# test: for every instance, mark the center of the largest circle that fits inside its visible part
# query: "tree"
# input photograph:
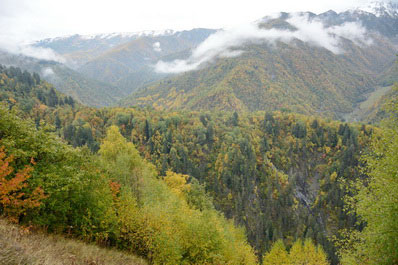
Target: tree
(235, 119)
(122, 160)
(277, 255)
(58, 122)
(375, 201)
(147, 130)
(52, 98)
(177, 183)
(300, 254)
(16, 197)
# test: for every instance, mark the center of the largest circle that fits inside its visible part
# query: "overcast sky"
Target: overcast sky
(27, 20)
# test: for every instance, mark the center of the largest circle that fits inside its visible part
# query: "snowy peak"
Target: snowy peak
(114, 35)
(145, 33)
(380, 8)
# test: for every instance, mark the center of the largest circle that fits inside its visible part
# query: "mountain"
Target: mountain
(83, 89)
(378, 16)
(294, 76)
(130, 65)
(79, 49)
(123, 60)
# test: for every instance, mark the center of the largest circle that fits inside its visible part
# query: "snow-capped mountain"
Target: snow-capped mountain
(109, 36)
(96, 43)
(379, 17)
(80, 49)
(380, 8)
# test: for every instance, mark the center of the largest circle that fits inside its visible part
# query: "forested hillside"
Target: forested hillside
(296, 77)
(28, 91)
(114, 198)
(72, 83)
(277, 174)
(274, 67)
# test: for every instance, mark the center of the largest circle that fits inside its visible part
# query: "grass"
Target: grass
(21, 247)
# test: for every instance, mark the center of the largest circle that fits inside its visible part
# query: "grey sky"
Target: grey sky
(22, 20)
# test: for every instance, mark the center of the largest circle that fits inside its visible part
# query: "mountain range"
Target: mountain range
(321, 64)
(123, 59)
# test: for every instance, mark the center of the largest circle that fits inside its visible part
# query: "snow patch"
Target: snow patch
(145, 33)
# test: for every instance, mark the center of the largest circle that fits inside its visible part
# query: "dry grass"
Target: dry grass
(18, 247)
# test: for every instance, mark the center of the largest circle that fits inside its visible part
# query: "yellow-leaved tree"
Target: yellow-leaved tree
(277, 255)
(122, 160)
(165, 220)
(301, 253)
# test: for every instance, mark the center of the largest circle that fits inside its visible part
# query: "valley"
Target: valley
(270, 142)
(363, 111)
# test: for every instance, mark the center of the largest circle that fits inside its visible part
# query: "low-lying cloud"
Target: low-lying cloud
(15, 46)
(47, 72)
(226, 43)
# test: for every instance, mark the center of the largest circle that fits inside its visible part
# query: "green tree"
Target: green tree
(376, 202)
(122, 160)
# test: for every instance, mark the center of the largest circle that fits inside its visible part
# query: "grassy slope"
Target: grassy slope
(19, 247)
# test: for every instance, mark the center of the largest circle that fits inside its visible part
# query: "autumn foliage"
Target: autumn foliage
(16, 197)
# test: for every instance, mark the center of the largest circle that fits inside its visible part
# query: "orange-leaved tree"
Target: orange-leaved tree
(16, 197)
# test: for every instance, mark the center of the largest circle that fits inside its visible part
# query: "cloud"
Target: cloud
(40, 53)
(156, 47)
(229, 42)
(15, 46)
(47, 72)
(352, 31)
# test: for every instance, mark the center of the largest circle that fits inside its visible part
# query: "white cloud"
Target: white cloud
(48, 18)
(156, 47)
(352, 31)
(40, 53)
(16, 46)
(26, 20)
(47, 72)
(225, 43)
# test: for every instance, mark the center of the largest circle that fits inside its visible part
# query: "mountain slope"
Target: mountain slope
(297, 77)
(293, 75)
(130, 65)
